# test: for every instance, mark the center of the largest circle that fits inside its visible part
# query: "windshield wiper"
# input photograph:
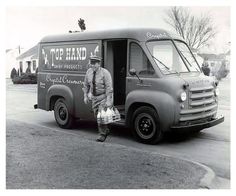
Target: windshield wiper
(168, 69)
(186, 59)
(161, 63)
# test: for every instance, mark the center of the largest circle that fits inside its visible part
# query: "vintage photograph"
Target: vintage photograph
(118, 97)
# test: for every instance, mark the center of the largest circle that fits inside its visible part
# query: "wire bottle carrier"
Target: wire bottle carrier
(108, 116)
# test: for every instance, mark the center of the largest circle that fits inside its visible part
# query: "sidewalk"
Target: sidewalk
(40, 158)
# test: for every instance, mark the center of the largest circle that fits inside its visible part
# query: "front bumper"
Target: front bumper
(199, 126)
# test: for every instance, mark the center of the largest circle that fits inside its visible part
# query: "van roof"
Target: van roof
(140, 34)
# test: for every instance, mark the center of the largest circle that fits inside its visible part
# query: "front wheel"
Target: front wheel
(62, 115)
(146, 125)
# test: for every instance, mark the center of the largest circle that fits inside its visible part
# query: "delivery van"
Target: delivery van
(158, 84)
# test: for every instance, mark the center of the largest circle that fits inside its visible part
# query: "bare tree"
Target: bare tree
(196, 31)
(81, 24)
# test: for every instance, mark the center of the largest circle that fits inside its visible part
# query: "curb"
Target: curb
(206, 181)
(208, 178)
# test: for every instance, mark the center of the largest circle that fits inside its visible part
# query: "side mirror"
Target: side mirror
(132, 72)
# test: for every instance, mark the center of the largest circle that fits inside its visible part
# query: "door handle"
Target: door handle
(143, 85)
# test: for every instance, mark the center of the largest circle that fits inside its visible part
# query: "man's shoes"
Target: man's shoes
(101, 138)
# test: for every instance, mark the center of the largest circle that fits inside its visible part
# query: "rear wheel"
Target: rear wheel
(146, 125)
(62, 115)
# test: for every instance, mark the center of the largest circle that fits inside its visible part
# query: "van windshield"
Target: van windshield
(169, 60)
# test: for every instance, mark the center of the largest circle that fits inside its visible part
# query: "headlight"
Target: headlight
(217, 92)
(183, 96)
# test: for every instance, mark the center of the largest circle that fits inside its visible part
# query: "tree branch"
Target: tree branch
(197, 31)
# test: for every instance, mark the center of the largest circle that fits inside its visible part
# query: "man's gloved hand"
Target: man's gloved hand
(86, 100)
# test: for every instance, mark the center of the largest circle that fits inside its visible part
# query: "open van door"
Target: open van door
(115, 61)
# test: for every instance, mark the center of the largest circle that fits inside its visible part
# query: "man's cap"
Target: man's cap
(95, 58)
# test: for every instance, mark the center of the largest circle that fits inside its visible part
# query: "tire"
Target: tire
(146, 125)
(62, 115)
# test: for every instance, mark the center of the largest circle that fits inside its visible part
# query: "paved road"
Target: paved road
(211, 147)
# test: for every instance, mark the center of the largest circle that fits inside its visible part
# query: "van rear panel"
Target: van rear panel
(62, 67)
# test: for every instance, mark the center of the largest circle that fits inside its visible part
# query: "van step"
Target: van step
(121, 109)
(122, 114)
(121, 122)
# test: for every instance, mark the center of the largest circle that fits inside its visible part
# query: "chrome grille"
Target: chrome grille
(202, 105)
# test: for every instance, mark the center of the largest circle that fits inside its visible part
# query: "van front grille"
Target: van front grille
(202, 105)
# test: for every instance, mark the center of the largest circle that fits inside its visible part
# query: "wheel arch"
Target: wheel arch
(161, 102)
(60, 91)
(53, 100)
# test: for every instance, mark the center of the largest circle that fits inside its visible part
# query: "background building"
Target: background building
(28, 61)
(11, 62)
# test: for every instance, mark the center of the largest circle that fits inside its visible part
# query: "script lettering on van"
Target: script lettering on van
(156, 36)
(62, 79)
(68, 57)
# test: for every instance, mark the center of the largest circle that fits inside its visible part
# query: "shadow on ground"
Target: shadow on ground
(123, 132)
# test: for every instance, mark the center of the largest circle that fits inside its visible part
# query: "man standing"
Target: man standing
(98, 88)
(205, 68)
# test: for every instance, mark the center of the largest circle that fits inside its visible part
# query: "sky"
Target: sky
(25, 26)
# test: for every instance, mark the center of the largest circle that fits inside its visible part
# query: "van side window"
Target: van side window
(139, 61)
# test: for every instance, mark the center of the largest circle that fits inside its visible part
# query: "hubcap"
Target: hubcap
(145, 126)
(62, 113)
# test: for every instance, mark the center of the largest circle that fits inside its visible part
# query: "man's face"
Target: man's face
(95, 65)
